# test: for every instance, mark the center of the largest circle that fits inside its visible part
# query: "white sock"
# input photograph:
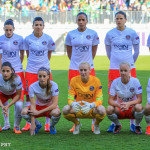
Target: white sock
(93, 121)
(138, 117)
(27, 104)
(114, 118)
(147, 119)
(18, 109)
(132, 121)
(6, 119)
(54, 120)
(47, 120)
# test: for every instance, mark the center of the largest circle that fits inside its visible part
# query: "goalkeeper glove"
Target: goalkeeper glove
(87, 107)
(76, 106)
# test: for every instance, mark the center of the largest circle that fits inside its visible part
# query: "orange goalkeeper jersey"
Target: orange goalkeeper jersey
(90, 92)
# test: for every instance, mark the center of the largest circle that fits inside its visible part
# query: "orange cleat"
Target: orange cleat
(147, 130)
(92, 127)
(17, 130)
(0, 129)
(26, 127)
(47, 127)
(72, 129)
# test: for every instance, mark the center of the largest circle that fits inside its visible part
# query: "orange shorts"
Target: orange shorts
(114, 74)
(4, 98)
(21, 74)
(29, 79)
(74, 73)
(126, 114)
(46, 114)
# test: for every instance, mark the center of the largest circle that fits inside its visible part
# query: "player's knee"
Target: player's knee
(66, 109)
(56, 113)
(110, 110)
(24, 111)
(101, 110)
(138, 107)
(147, 109)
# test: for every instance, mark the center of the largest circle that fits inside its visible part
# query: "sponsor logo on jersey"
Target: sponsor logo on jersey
(82, 48)
(132, 89)
(37, 53)
(88, 37)
(85, 96)
(128, 37)
(140, 88)
(15, 42)
(44, 42)
(91, 88)
(100, 87)
(121, 47)
(56, 90)
(10, 54)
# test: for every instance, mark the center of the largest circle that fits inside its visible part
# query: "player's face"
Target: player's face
(43, 77)
(38, 27)
(9, 29)
(6, 73)
(125, 72)
(120, 21)
(81, 21)
(84, 71)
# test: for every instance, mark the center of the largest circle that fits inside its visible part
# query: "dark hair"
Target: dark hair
(122, 13)
(9, 22)
(82, 13)
(13, 75)
(49, 86)
(38, 19)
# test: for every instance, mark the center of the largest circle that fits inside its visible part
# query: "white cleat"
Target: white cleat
(96, 129)
(6, 127)
(77, 129)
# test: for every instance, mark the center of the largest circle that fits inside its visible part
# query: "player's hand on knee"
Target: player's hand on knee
(76, 106)
(87, 107)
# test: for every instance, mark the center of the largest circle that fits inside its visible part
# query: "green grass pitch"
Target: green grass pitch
(64, 140)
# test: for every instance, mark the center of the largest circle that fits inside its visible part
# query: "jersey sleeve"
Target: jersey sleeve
(107, 40)
(71, 92)
(51, 44)
(138, 87)
(31, 91)
(68, 40)
(95, 40)
(25, 44)
(136, 39)
(112, 91)
(148, 41)
(18, 83)
(21, 46)
(55, 90)
(148, 91)
(99, 94)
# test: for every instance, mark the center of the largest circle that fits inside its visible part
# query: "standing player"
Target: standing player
(89, 99)
(11, 46)
(10, 88)
(81, 46)
(148, 42)
(38, 46)
(46, 93)
(118, 43)
(129, 99)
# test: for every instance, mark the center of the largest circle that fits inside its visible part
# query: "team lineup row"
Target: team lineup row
(81, 47)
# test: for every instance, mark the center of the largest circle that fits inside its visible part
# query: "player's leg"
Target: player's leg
(147, 118)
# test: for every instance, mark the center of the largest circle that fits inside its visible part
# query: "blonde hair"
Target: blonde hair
(125, 63)
(85, 63)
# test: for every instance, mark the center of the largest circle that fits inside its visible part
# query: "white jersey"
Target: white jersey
(8, 87)
(125, 92)
(148, 91)
(38, 51)
(81, 43)
(41, 98)
(148, 41)
(121, 43)
(10, 51)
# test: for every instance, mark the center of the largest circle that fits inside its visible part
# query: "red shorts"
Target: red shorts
(74, 73)
(29, 79)
(114, 74)
(4, 98)
(46, 114)
(21, 74)
(126, 114)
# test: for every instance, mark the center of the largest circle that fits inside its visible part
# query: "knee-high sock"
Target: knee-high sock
(138, 117)
(99, 118)
(132, 121)
(54, 120)
(6, 119)
(114, 118)
(147, 119)
(47, 120)
(18, 109)
(71, 117)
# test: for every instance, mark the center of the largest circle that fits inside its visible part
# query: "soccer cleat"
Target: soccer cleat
(92, 127)
(47, 127)
(117, 129)
(17, 130)
(6, 127)
(147, 130)
(77, 129)
(111, 128)
(52, 130)
(38, 127)
(96, 129)
(0, 129)
(132, 127)
(26, 127)
(138, 130)
(72, 129)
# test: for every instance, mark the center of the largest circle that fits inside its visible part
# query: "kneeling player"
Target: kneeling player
(89, 99)
(46, 93)
(129, 98)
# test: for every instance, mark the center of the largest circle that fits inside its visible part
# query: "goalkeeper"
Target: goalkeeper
(89, 99)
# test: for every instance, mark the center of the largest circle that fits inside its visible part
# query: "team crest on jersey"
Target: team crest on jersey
(128, 37)
(88, 37)
(53, 44)
(91, 88)
(15, 42)
(44, 42)
(132, 89)
(100, 87)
